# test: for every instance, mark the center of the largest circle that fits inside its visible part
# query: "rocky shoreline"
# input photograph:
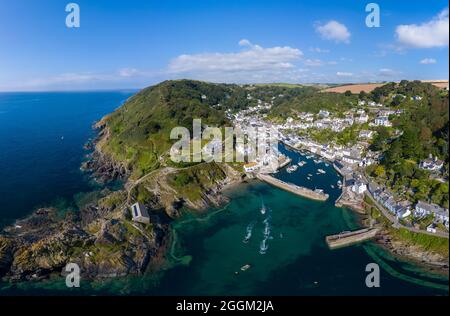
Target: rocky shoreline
(101, 238)
(430, 261)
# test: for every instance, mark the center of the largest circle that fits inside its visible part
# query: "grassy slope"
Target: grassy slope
(140, 129)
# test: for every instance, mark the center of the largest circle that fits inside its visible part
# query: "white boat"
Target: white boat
(309, 178)
(263, 247)
(332, 186)
(292, 168)
(321, 171)
(327, 165)
(301, 163)
(245, 267)
(316, 161)
(263, 209)
(310, 175)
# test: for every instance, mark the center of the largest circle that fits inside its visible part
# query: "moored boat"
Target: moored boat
(245, 267)
(292, 168)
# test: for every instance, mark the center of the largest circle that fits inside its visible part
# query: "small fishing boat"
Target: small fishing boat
(332, 186)
(245, 267)
(301, 163)
(321, 171)
(292, 168)
(309, 178)
(263, 209)
(263, 247)
(316, 161)
(310, 175)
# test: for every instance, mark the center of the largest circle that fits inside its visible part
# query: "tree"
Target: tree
(380, 171)
(362, 95)
(348, 93)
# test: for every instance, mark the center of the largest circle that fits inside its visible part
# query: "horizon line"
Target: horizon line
(254, 83)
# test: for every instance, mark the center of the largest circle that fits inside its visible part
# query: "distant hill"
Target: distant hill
(369, 87)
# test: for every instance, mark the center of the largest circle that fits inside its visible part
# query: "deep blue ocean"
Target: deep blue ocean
(41, 147)
(41, 150)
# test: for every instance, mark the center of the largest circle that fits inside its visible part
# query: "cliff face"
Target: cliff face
(103, 244)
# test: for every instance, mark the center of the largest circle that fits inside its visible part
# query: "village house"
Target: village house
(382, 121)
(365, 134)
(359, 187)
(139, 213)
(432, 228)
(372, 103)
(431, 164)
(363, 118)
(251, 167)
(323, 113)
(351, 160)
(440, 214)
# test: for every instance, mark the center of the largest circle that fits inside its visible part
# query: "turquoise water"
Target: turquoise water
(208, 249)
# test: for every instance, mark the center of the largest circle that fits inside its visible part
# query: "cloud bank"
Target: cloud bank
(434, 33)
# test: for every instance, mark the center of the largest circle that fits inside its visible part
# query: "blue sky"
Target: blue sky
(132, 44)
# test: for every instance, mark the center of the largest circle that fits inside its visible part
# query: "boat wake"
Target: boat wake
(264, 246)
(248, 232)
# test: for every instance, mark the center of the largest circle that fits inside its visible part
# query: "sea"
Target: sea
(279, 236)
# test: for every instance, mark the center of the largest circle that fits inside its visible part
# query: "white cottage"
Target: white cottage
(139, 213)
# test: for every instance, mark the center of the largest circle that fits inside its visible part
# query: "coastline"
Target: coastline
(399, 248)
(159, 255)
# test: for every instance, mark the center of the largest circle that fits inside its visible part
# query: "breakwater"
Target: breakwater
(302, 191)
(349, 238)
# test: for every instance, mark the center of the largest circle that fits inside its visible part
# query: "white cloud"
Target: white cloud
(314, 62)
(253, 62)
(129, 72)
(344, 74)
(319, 50)
(245, 42)
(318, 63)
(428, 61)
(334, 31)
(426, 35)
